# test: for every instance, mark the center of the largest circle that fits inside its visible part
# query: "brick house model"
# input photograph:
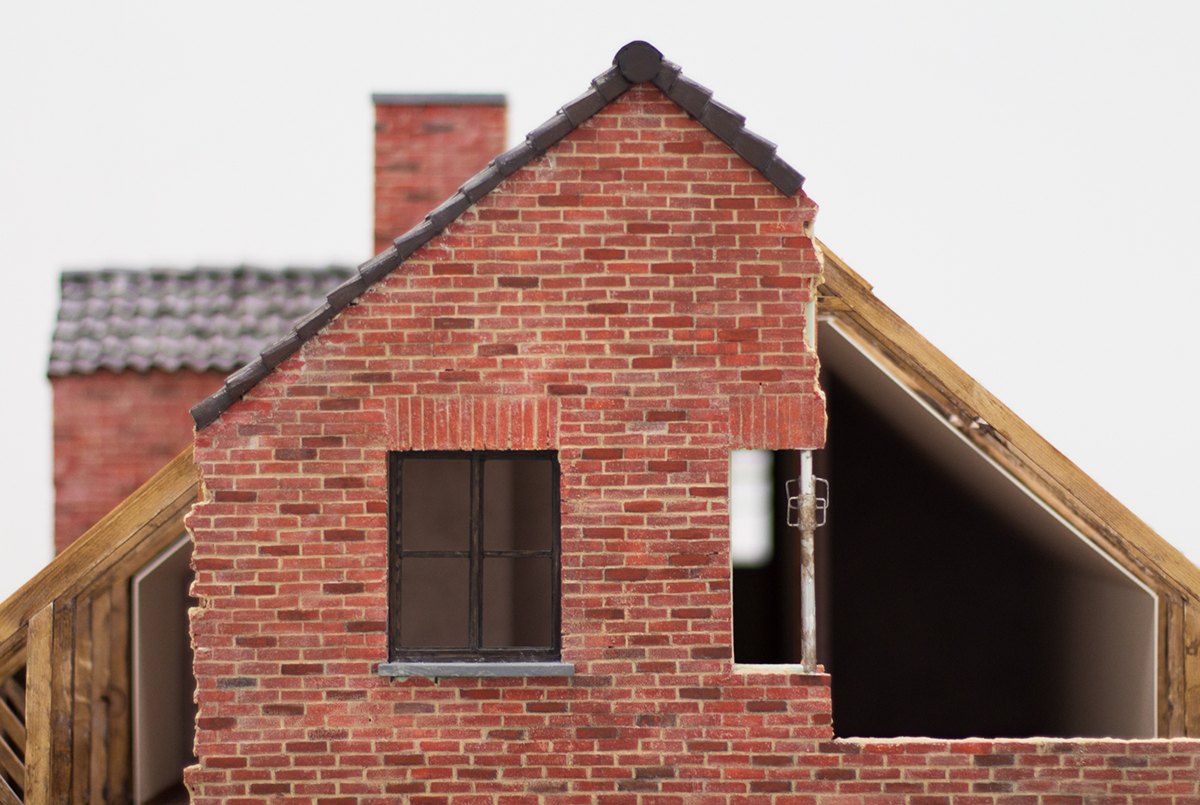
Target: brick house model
(464, 534)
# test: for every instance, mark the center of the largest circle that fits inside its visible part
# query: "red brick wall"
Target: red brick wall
(635, 299)
(423, 154)
(112, 432)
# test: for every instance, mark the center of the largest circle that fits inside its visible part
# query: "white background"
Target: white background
(1018, 180)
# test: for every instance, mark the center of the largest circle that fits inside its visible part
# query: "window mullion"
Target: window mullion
(475, 627)
(395, 556)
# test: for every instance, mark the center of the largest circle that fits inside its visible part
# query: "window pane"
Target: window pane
(435, 506)
(434, 595)
(516, 602)
(518, 501)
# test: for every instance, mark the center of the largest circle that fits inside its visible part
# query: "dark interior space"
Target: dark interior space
(941, 616)
(950, 602)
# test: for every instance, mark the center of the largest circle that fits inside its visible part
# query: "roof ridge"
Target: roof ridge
(635, 63)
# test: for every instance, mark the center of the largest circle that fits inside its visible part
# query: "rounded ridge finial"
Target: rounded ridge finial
(638, 61)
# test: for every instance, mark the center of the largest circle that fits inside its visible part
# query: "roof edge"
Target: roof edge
(635, 63)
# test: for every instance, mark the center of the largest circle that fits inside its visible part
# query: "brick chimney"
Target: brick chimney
(426, 146)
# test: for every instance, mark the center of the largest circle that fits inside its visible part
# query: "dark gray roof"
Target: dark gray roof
(201, 319)
(635, 63)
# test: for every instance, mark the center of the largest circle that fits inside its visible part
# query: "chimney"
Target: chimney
(426, 146)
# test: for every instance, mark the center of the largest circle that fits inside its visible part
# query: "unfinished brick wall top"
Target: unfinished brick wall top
(426, 146)
(634, 299)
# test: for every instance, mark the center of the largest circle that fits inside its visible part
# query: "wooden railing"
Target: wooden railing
(64, 654)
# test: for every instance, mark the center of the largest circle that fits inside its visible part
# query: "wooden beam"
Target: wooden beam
(11, 726)
(14, 660)
(137, 557)
(120, 788)
(62, 701)
(101, 667)
(15, 694)
(12, 765)
(829, 304)
(140, 517)
(1162, 684)
(82, 732)
(1073, 488)
(1176, 688)
(7, 795)
(38, 706)
(1191, 668)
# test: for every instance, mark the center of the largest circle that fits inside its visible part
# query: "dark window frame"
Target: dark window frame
(476, 555)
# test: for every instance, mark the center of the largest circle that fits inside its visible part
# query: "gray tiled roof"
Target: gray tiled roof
(635, 63)
(200, 319)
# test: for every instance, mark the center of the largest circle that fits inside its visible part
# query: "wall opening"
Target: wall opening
(950, 602)
(164, 714)
(765, 557)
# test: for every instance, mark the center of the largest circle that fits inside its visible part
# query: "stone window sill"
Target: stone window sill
(790, 669)
(474, 670)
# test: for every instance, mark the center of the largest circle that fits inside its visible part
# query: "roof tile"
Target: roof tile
(201, 319)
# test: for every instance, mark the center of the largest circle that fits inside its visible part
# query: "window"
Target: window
(474, 570)
(764, 552)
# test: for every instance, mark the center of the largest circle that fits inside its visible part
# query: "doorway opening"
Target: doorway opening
(164, 713)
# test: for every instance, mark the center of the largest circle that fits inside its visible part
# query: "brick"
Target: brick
(301, 668)
(283, 709)
(495, 350)
(603, 254)
(216, 723)
(608, 308)
(344, 535)
(518, 282)
(602, 453)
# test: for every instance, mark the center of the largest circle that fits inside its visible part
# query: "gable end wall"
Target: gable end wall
(634, 299)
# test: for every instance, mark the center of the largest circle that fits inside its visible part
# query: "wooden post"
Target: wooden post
(62, 694)
(1176, 704)
(101, 667)
(38, 706)
(82, 733)
(1191, 670)
(119, 723)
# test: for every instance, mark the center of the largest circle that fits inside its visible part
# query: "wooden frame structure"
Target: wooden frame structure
(64, 653)
(1002, 436)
